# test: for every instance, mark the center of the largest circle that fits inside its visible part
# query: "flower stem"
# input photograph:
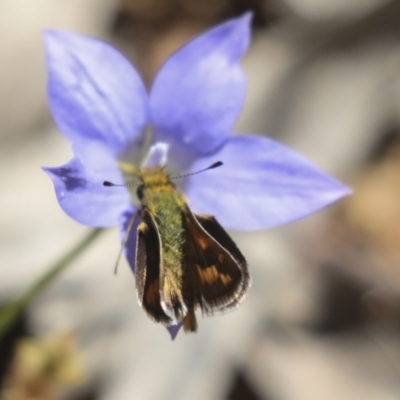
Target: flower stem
(11, 311)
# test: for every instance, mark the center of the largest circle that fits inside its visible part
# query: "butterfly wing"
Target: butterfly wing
(218, 233)
(217, 268)
(147, 269)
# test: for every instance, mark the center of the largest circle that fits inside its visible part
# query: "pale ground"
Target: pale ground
(324, 79)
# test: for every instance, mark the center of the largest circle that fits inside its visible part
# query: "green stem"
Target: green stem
(11, 311)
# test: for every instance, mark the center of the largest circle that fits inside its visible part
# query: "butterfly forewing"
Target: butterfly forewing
(218, 269)
(218, 233)
(147, 269)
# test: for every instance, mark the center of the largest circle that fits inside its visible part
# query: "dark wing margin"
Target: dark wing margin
(147, 271)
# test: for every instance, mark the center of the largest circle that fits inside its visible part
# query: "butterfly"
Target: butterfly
(184, 261)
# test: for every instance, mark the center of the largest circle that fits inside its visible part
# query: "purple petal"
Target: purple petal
(80, 191)
(128, 231)
(199, 92)
(174, 329)
(261, 184)
(94, 91)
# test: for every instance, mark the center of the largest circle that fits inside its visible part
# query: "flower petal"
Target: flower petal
(94, 91)
(173, 330)
(128, 226)
(261, 184)
(157, 156)
(199, 92)
(80, 191)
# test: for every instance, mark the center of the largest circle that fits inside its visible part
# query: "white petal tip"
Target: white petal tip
(157, 155)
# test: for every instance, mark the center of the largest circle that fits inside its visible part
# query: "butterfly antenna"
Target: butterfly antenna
(108, 183)
(212, 166)
(124, 242)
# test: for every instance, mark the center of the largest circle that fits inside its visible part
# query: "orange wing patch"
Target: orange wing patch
(225, 279)
(152, 293)
(211, 275)
(202, 242)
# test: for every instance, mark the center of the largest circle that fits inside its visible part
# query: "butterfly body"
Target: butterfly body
(183, 261)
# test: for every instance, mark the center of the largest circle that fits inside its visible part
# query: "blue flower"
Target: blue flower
(102, 107)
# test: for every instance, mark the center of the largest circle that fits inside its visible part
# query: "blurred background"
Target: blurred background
(322, 319)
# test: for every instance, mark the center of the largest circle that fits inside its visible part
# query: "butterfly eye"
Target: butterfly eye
(139, 192)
